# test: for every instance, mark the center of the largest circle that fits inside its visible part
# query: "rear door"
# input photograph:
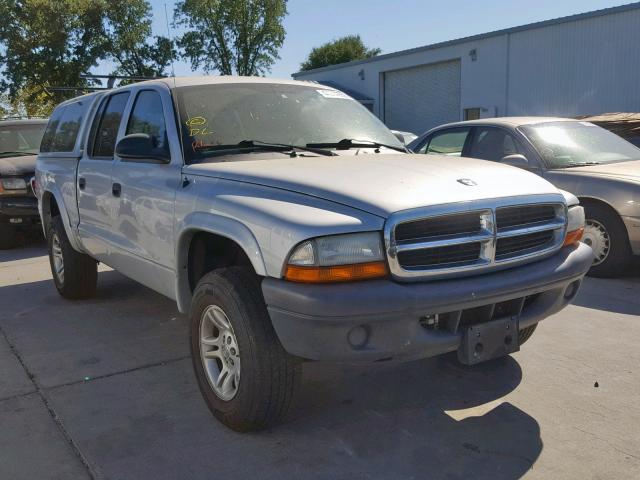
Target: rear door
(144, 209)
(95, 195)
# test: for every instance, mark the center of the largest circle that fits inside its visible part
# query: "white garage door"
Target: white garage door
(419, 98)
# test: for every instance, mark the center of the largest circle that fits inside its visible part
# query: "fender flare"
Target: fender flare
(217, 225)
(62, 208)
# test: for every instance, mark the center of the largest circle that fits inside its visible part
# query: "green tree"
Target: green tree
(342, 50)
(53, 43)
(232, 36)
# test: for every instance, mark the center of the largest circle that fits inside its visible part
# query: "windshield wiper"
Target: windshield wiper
(260, 145)
(348, 143)
(17, 153)
(580, 164)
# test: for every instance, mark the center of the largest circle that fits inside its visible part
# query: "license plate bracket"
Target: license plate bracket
(489, 340)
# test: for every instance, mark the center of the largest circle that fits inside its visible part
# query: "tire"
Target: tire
(606, 233)
(78, 277)
(7, 236)
(526, 333)
(261, 394)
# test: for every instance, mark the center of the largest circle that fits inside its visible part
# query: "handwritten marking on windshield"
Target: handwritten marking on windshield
(198, 126)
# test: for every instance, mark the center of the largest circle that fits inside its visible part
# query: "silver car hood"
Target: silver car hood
(623, 170)
(382, 184)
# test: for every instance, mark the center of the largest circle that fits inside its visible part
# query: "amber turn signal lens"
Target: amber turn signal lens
(337, 273)
(573, 237)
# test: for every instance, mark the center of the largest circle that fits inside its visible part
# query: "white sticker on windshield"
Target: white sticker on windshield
(333, 94)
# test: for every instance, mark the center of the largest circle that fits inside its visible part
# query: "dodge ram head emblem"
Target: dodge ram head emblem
(467, 182)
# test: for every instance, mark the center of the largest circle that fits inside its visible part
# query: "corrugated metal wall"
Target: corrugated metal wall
(585, 67)
(419, 98)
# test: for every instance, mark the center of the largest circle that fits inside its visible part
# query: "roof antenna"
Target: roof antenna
(166, 17)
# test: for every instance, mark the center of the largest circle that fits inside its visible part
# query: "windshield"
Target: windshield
(227, 114)
(567, 144)
(20, 139)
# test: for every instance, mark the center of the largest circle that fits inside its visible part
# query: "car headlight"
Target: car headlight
(14, 183)
(337, 258)
(575, 225)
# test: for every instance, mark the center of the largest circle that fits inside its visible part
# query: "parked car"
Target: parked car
(19, 143)
(599, 167)
(290, 223)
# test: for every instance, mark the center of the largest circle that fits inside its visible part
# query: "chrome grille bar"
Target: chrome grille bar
(533, 227)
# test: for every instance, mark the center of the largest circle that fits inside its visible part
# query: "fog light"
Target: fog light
(572, 290)
(358, 336)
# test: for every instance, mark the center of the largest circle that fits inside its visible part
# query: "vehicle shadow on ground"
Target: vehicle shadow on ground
(28, 245)
(433, 418)
(617, 295)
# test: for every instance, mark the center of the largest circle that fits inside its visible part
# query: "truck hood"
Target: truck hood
(623, 170)
(382, 184)
(20, 165)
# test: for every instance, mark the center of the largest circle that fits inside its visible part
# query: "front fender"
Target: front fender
(218, 225)
(46, 197)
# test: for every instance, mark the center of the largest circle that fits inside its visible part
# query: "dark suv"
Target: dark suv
(19, 145)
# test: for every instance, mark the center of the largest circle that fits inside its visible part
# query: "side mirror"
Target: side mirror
(517, 160)
(141, 147)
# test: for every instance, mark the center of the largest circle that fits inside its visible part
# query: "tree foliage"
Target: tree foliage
(52, 43)
(232, 36)
(342, 50)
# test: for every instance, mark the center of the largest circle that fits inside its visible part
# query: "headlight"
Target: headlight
(14, 183)
(575, 225)
(337, 258)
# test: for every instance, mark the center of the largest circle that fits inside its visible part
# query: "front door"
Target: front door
(144, 210)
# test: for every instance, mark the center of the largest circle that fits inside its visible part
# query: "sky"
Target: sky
(393, 25)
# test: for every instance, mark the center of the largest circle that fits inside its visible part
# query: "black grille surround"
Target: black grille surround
(447, 243)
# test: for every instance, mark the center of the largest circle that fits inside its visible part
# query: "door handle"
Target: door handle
(116, 189)
(82, 183)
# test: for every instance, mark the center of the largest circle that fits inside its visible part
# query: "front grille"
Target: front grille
(508, 247)
(441, 241)
(440, 256)
(463, 223)
(511, 217)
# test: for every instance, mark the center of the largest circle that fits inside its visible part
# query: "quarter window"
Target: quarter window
(64, 125)
(147, 117)
(450, 142)
(108, 123)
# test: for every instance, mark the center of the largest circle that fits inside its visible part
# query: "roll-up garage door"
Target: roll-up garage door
(419, 98)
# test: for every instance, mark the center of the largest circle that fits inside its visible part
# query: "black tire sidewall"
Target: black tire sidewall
(215, 289)
(56, 224)
(619, 251)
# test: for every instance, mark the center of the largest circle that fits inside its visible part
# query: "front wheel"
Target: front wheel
(74, 274)
(606, 234)
(245, 376)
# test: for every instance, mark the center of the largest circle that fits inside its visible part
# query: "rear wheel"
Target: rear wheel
(606, 234)
(245, 376)
(74, 274)
(7, 236)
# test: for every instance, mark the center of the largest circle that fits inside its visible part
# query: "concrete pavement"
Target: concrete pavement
(103, 389)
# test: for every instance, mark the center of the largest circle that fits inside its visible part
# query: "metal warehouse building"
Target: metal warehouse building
(578, 65)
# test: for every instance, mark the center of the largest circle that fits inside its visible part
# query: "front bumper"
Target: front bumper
(19, 210)
(382, 319)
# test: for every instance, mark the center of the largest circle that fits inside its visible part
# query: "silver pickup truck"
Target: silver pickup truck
(290, 224)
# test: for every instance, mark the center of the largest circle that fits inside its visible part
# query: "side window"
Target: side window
(448, 142)
(105, 131)
(493, 144)
(64, 125)
(147, 116)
